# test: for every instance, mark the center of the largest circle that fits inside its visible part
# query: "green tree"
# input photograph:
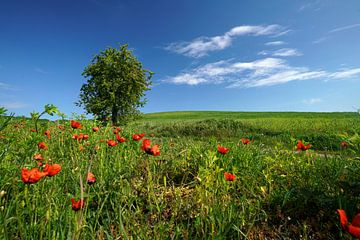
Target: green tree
(116, 85)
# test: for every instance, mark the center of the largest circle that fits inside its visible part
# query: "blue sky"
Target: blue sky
(251, 55)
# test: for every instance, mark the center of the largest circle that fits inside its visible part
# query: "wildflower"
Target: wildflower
(77, 205)
(229, 176)
(48, 134)
(146, 146)
(75, 124)
(245, 141)
(152, 135)
(111, 143)
(222, 150)
(120, 139)
(52, 170)
(80, 136)
(90, 178)
(42, 145)
(38, 157)
(116, 130)
(32, 176)
(344, 144)
(95, 129)
(352, 228)
(33, 130)
(61, 127)
(137, 137)
(302, 147)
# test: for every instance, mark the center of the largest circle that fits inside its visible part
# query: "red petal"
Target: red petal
(356, 220)
(343, 218)
(354, 231)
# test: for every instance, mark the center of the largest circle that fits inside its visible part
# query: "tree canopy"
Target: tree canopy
(116, 85)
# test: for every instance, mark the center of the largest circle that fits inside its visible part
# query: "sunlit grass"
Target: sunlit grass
(182, 194)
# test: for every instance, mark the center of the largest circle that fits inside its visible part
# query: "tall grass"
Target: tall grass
(278, 193)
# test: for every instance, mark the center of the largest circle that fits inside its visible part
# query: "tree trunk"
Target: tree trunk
(115, 115)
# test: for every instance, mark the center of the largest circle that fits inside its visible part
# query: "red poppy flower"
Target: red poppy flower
(229, 176)
(155, 150)
(354, 227)
(77, 205)
(146, 146)
(52, 170)
(120, 139)
(245, 141)
(61, 127)
(75, 124)
(38, 157)
(75, 137)
(48, 134)
(96, 129)
(80, 136)
(33, 130)
(90, 178)
(42, 145)
(222, 150)
(302, 147)
(146, 143)
(112, 143)
(32, 176)
(137, 137)
(344, 144)
(116, 130)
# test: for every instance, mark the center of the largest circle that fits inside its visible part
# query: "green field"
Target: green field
(278, 193)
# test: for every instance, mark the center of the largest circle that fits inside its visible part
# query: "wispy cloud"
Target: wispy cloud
(40, 70)
(14, 105)
(5, 86)
(312, 101)
(320, 40)
(345, 28)
(336, 30)
(259, 73)
(314, 5)
(201, 46)
(275, 43)
(345, 73)
(286, 52)
(283, 52)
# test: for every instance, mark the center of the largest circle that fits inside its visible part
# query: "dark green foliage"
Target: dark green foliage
(116, 85)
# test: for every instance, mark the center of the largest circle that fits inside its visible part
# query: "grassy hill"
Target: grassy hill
(184, 190)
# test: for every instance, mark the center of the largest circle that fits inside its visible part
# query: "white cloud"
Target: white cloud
(186, 78)
(286, 52)
(320, 40)
(14, 105)
(345, 73)
(345, 28)
(275, 43)
(40, 70)
(200, 47)
(314, 5)
(259, 73)
(312, 101)
(283, 52)
(5, 86)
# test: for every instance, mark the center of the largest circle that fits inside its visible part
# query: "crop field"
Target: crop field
(181, 175)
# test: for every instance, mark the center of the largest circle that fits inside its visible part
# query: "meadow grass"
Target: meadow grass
(278, 193)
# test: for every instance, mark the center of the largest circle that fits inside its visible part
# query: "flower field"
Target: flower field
(184, 175)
